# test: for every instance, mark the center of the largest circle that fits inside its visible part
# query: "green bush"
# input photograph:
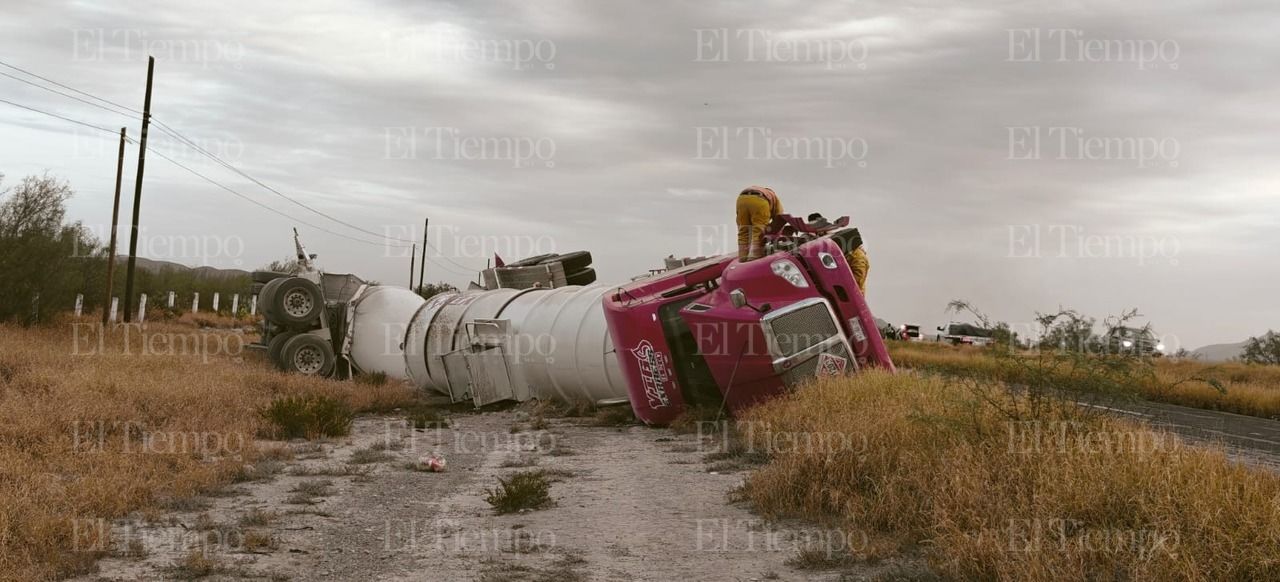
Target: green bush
(309, 416)
(524, 490)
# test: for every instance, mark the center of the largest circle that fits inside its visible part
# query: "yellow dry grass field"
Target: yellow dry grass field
(95, 425)
(900, 463)
(1253, 390)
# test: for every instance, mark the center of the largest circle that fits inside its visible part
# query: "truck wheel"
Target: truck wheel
(267, 276)
(296, 302)
(276, 345)
(264, 300)
(586, 276)
(529, 261)
(573, 262)
(308, 355)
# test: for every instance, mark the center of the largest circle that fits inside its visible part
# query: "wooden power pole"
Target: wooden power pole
(422, 266)
(412, 255)
(115, 219)
(137, 192)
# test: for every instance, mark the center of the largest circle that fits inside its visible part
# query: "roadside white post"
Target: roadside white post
(195, 303)
(253, 305)
(142, 308)
(172, 296)
(79, 304)
(215, 302)
(115, 302)
(235, 304)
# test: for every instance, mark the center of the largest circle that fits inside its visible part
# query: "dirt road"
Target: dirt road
(630, 503)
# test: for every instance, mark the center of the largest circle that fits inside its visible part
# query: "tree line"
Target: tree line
(46, 260)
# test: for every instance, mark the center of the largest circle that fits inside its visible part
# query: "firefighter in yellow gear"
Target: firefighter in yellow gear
(756, 207)
(859, 264)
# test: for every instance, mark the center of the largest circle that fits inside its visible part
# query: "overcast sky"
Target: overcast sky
(1020, 155)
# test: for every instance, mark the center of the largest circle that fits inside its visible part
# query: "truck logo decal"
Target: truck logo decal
(831, 365)
(654, 372)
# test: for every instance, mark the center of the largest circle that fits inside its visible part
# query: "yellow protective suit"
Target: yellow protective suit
(859, 264)
(756, 208)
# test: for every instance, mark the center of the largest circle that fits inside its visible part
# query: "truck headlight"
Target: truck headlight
(789, 271)
(1127, 343)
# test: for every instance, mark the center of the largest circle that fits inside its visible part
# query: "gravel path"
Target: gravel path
(630, 503)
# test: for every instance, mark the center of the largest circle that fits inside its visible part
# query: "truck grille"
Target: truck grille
(807, 370)
(803, 328)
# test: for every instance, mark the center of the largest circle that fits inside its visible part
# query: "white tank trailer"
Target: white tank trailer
(489, 346)
(482, 345)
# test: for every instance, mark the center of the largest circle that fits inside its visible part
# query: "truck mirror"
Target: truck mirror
(940, 328)
(738, 297)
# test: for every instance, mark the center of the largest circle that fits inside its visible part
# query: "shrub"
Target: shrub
(986, 497)
(309, 416)
(422, 416)
(523, 490)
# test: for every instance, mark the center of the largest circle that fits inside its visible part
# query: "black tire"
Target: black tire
(530, 261)
(308, 355)
(276, 345)
(586, 276)
(267, 276)
(264, 300)
(573, 262)
(296, 302)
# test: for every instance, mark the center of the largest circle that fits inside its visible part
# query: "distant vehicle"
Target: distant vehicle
(910, 333)
(1132, 340)
(964, 334)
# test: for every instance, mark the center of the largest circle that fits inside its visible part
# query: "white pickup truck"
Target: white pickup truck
(964, 333)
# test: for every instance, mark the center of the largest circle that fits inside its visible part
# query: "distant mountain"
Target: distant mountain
(1219, 352)
(1222, 352)
(154, 266)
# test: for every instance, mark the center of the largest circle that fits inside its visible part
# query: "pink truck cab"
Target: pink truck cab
(737, 333)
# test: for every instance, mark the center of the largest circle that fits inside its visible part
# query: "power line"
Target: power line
(55, 91)
(174, 133)
(69, 88)
(75, 121)
(188, 169)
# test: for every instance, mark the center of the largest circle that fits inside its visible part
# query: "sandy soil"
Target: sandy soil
(630, 503)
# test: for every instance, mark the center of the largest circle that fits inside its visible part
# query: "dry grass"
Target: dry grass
(91, 430)
(910, 463)
(1246, 389)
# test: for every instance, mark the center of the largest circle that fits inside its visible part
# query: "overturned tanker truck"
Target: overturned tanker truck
(715, 332)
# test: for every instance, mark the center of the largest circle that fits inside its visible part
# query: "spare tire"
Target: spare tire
(586, 276)
(276, 345)
(267, 276)
(530, 261)
(308, 355)
(573, 262)
(296, 302)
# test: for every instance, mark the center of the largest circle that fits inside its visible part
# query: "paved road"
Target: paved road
(1249, 438)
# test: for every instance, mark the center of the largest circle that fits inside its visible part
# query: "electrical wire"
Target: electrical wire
(165, 128)
(69, 88)
(69, 96)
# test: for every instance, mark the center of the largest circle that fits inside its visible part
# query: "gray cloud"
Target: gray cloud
(344, 108)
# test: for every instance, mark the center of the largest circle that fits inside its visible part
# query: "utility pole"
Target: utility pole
(115, 219)
(422, 266)
(137, 192)
(412, 255)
